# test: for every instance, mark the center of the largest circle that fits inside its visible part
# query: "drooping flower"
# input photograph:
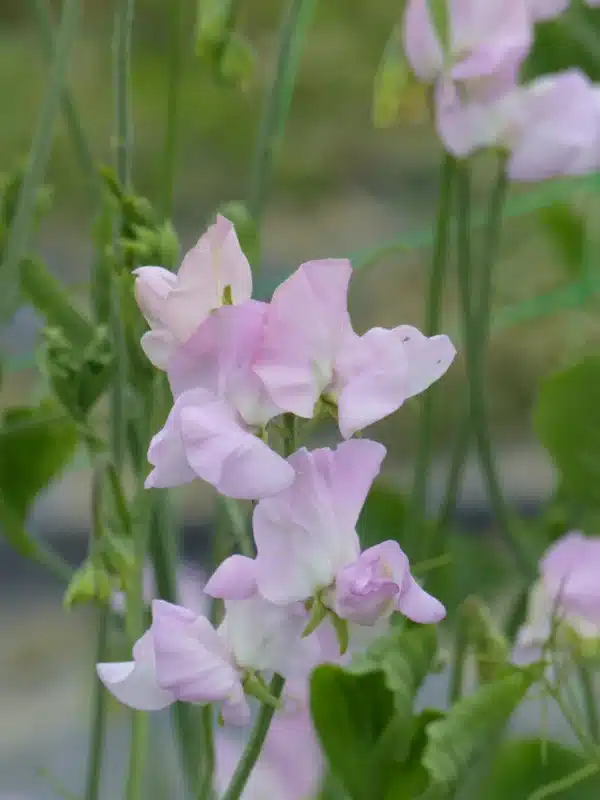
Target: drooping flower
(308, 548)
(213, 272)
(567, 595)
(547, 9)
(310, 351)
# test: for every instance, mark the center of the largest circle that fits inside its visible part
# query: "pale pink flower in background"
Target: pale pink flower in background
(311, 350)
(528, 123)
(306, 541)
(175, 304)
(567, 594)
(487, 42)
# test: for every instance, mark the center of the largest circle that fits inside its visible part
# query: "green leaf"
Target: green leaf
(410, 779)
(350, 713)
(524, 766)
(36, 444)
(456, 740)
(405, 658)
(567, 421)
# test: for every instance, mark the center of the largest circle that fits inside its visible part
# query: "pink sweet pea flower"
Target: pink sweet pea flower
(380, 582)
(567, 594)
(547, 9)
(528, 122)
(310, 350)
(487, 42)
(307, 544)
(180, 657)
(203, 438)
(175, 304)
(221, 404)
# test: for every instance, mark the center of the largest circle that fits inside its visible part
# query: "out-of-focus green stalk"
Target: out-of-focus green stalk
(39, 156)
(475, 321)
(99, 698)
(294, 26)
(174, 70)
(433, 307)
(43, 11)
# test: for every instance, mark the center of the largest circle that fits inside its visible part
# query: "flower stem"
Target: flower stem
(475, 329)
(277, 104)
(43, 11)
(586, 682)
(205, 789)
(433, 309)
(172, 105)
(255, 743)
(37, 161)
(99, 698)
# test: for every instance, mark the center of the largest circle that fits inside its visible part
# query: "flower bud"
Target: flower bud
(90, 584)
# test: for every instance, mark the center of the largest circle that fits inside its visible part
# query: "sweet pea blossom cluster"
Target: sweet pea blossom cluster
(549, 127)
(566, 596)
(239, 369)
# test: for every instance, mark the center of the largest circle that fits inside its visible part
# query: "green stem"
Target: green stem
(475, 328)
(48, 558)
(172, 105)
(255, 743)
(39, 156)
(566, 783)
(433, 309)
(99, 698)
(586, 682)
(239, 526)
(43, 11)
(205, 788)
(461, 642)
(277, 105)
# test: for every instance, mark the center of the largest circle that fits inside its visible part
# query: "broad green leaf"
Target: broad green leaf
(567, 421)
(456, 740)
(410, 779)
(405, 658)
(36, 444)
(523, 766)
(351, 713)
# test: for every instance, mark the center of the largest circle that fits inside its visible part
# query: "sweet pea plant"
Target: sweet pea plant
(310, 632)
